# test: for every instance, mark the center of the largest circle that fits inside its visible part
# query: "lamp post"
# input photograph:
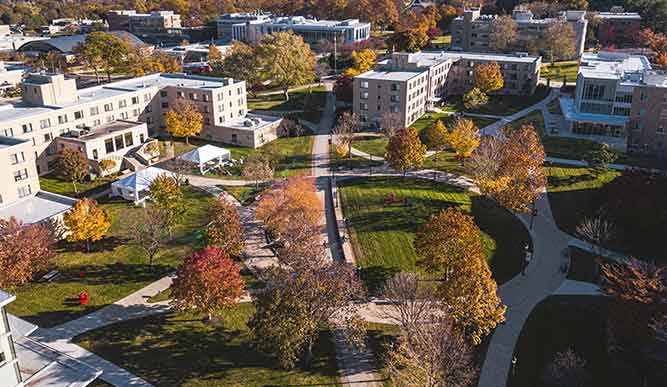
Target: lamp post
(527, 257)
(533, 214)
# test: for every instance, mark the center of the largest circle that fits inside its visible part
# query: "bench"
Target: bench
(50, 276)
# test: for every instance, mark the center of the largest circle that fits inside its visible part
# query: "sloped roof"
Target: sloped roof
(65, 44)
(205, 153)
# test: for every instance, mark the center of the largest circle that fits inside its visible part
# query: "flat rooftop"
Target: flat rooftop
(389, 75)
(619, 15)
(613, 65)
(251, 122)
(456, 55)
(36, 208)
(100, 131)
(115, 89)
(305, 23)
(6, 298)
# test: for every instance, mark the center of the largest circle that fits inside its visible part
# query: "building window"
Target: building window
(24, 191)
(17, 158)
(165, 105)
(122, 103)
(205, 96)
(364, 95)
(395, 98)
(95, 154)
(128, 139)
(108, 107)
(135, 100)
(21, 174)
(141, 138)
(147, 97)
(94, 111)
(364, 84)
(119, 142)
(78, 115)
(9, 132)
(135, 112)
(363, 106)
(43, 124)
(96, 123)
(661, 129)
(193, 96)
(163, 94)
(62, 119)
(27, 128)
(47, 138)
(395, 87)
(108, 145)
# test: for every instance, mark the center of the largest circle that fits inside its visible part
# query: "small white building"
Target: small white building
(207, 157)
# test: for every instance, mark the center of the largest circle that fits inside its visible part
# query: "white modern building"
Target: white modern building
(604, 94)
(11, 75)
(10, 374)
(409, 83)
(252, 27)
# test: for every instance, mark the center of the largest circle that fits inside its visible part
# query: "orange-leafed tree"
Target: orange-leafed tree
(463, 138)
(436, 136)
(405, 150)
(184, 120)
(224, 229)
(86, 222)
(451, 244)
(72, 165)
(24, 251)
(208, 281)
(488, 77)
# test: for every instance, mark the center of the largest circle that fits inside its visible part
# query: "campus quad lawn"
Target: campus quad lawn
(295, 102)
(245, 194)
(503, 105)
(383, 234)
(559, 323)
(51, 303)
(178, 349)
(55, 184)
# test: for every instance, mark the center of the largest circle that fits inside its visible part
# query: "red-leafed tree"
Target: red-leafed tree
(207, 281)
(24, 251)
(224, 229)
(343, 88)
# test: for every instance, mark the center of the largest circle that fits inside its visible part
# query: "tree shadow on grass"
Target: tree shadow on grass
(375, 276)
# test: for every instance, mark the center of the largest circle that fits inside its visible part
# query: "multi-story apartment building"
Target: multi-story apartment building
(618, 28)
(156, 22)
(604, 94)
(409, 83)
(10, 374)
(470, 32)
(252, 27)
(647, 128)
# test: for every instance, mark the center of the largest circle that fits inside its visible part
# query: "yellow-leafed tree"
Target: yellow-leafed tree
(86, 221)
(405, 150)
(184, 120)
(464, 138)
(363, 61)
(436, 136)
(488, 77)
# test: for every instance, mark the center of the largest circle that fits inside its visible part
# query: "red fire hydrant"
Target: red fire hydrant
(83, 298)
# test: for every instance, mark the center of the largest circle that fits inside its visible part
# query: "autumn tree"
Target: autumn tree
(362, 61)
(436, 136)
(559, 41)
(451, 244)
(566, 369)
(214, 53)
(463, 138)
(488, 77)
(345, 130)
(241, 62)
(89, 53)
(102, 51)
(166, 194)
(599, 159)
(286, 60)
(224, 229)
(295, 305)
(107, 165)
(598, 232)
(25, 249)
(405, 150)
(343, 88)
(72, 165)
(148, 230)
(509, 168)
(257, 168)
(409, 40)
(434, 355)
(184, 120)
(474, 99)
(413, 300)
(207, 281)
(502, 33)
(86, 221)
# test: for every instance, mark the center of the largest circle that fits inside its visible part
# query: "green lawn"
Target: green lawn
(180, 350)
(55, 184)
(566, 322)
(442, 41)
(296, 100)
(245, 194)
(573, 194)
(557, 70)
(503, 105)
(383, 234)
(98, 273)
(372, 145)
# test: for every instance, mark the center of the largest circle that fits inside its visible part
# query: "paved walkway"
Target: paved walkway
(577, 288)
(494, 129)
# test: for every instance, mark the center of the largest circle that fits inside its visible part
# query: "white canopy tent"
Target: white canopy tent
(131, 186)
(206, 154)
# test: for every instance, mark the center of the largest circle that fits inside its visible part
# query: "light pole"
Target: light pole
(533, 214)
(527, 257)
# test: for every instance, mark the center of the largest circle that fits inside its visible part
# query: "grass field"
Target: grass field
(99, 273)
(503, 105)
(558, 70)
(383, 234)
(55, 184)
(296, 100)
(180, 350)
(245, 194)
(566, 322)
